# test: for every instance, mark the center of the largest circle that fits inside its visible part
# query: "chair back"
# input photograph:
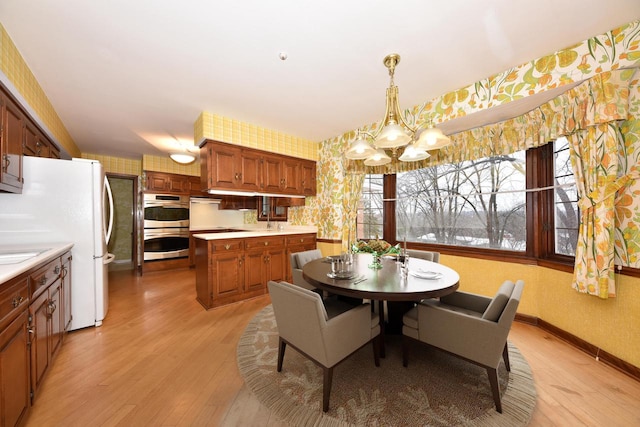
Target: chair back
(300, 317)
(509, 312)
(299, 259)
(428, 255)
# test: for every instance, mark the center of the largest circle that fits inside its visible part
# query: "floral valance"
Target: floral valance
(601, 99)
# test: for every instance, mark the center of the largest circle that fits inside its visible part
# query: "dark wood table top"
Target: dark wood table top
(386, 283)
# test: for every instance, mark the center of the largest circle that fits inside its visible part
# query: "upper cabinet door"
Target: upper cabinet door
(308, 182)
(11, 140)
(250, 171)
(292, 183)
(273, 176)
(225, 166)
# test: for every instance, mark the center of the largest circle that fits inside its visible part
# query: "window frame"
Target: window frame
(540, 213)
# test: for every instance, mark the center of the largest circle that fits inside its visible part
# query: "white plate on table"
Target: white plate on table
(423, 274)
(343, 276)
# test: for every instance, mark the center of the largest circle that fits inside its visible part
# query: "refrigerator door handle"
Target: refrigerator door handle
(109, 258)
(108, 228)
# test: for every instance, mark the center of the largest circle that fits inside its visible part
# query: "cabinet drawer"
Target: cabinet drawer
(44, 276)
(301, 239)
(222, 246)
(14, 297)
(264, 242)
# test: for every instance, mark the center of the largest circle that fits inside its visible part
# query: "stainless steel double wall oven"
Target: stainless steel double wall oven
(166, 226)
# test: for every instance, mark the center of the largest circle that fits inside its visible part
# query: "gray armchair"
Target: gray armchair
(469, 326)
(428, 255)
(304, 324)
(298, 260)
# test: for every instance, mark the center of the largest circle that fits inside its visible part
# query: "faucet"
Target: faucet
(269, 225)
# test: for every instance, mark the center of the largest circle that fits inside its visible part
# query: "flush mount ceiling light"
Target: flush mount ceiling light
(395, 133)
(184, 153)
(182, 157)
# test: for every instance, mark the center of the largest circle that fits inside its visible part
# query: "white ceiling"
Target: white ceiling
(126, 75)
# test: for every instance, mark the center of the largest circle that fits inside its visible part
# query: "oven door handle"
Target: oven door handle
(166, 205)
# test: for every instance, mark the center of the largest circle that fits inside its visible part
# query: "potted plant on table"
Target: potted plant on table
(377, 248)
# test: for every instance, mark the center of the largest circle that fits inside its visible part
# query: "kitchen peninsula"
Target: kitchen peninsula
(235, 265)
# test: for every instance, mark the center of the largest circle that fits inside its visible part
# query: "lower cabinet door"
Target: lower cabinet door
(278, 265)
(254, 272)
(40, 342)
(14, 371)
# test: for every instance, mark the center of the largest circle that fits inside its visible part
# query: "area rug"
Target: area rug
(436, 389)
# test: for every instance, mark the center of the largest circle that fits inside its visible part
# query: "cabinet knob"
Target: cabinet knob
(17, 301)
(266, 243)
(227, 247)
(43, 280)
(301, 240)
(57, 269)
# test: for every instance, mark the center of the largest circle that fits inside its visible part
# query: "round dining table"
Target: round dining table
(425, 279)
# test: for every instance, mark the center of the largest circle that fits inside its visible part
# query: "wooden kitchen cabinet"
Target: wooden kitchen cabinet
(264, 261)
(169, 183)
(46, 319)
(14, 351)
(11, 138)
(36, 144)
(308, 177)
(230, 270)
(219, 271)
(229, 167)
(14, 371)
(65, 276)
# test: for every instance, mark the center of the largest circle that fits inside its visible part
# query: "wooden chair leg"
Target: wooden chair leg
(495, 388)
(326, 388)
(376, 350)
(505, 356)
(281, 347)
(405, 351)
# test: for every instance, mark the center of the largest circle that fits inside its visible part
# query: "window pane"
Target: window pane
(477, 203)
(566, 201)
(369, 219)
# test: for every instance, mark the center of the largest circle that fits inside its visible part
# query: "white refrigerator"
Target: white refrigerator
(66, 201)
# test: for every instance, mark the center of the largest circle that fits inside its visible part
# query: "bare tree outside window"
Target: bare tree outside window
(370, 209)
(566, 200)
(478, 203)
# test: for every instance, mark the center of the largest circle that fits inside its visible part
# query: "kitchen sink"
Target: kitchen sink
(16, 257)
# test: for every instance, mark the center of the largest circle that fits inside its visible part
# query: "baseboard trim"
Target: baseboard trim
(592, 350)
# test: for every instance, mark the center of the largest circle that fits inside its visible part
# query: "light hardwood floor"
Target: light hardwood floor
(160, 359)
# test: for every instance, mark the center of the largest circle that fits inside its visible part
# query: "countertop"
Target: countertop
(248, 231)
(47, 251)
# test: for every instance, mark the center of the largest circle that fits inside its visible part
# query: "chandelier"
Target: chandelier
(395, 133)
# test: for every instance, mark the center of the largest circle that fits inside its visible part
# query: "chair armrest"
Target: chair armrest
(472, 337)
(473, 302)
(347, 332)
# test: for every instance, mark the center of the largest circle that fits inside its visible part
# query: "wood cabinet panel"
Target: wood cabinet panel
(40, 342)
(66, 290)
(308, 182)
(14, 371)
(168, 183)
(11, 137)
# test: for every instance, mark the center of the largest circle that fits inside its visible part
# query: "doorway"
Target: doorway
(123, 243)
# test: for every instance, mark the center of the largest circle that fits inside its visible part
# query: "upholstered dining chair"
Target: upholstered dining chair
(298, 260)
(305, 324)
(428, 255)
(470, 326)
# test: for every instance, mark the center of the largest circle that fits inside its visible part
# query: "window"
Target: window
(369, 220)
(478, 203)
(566, 214)
(516, 207)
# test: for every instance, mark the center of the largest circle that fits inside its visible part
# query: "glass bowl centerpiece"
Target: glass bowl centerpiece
(377, 248)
